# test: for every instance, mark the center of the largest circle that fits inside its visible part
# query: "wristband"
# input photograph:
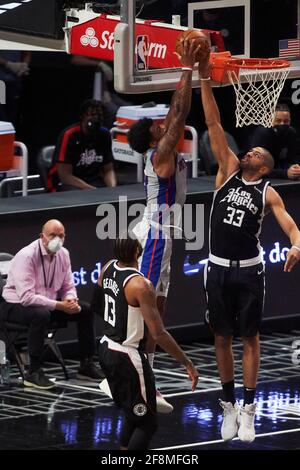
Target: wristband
(296, 247)
(187, 68)
(205, 79)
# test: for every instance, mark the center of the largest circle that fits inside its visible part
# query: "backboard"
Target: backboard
(249, 28)
(230, 17)
(144, 59)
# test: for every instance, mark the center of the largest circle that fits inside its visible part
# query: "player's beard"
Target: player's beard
(245, 164)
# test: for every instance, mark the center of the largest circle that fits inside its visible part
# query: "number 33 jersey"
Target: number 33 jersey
(123, 323)
(236, 217)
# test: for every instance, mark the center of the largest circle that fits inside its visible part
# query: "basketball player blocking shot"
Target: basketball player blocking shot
(235, 277)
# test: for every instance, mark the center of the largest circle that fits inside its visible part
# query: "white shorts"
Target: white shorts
(155, 260)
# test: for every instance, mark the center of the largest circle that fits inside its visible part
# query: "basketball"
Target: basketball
(200, 39)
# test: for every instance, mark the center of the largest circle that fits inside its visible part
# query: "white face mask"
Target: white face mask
(55, 244)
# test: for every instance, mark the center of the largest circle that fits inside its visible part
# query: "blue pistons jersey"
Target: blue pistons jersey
(163, 191)
(165, 198)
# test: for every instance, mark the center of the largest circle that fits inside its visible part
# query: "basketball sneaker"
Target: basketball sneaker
(104, 387)
(162, 405)
(229, 427)
(246, 422)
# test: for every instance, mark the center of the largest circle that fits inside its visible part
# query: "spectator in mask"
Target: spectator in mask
(40, 289)
(280, 140)
(83, 157)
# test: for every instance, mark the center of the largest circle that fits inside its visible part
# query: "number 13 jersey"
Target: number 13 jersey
(123, 323)
(236, 217)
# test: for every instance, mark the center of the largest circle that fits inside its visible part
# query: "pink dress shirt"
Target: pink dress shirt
(26, 277)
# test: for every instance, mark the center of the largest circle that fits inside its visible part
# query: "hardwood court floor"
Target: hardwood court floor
(76, 415)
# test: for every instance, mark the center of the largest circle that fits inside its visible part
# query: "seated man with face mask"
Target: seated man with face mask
(280, 140)
(40, 289)
(83, 157)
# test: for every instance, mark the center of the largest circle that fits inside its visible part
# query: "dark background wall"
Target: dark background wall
(186, 301)
(50, 100)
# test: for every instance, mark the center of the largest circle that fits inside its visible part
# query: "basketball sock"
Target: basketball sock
(228, 391)
(142, 435)
(151, 359)
(249, 394)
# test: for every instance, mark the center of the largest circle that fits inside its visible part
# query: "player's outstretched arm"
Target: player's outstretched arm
(181, 99)
(141, 291)
(227, 160)
(175, 120)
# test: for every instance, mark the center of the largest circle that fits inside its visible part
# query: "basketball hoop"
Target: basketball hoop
(257, 84)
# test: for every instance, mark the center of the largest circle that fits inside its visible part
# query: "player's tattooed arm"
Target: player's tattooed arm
(164, 161)
(181, 99)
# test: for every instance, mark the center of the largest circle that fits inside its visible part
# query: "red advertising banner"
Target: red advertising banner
(95, 38)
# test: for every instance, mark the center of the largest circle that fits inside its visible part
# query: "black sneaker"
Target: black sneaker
(88, 371)
(38, 380)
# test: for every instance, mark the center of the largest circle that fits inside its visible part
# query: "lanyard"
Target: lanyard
(44, 272)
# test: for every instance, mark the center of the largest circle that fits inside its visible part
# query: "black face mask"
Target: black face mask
(281, 129)
(93, 125)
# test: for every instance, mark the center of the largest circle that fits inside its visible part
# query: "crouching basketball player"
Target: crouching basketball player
(129, 304)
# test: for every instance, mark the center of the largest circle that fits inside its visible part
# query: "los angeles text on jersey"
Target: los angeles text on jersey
(239, 197)
(151, 459)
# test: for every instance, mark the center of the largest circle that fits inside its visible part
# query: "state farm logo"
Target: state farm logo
(106, 41)
(89, 38)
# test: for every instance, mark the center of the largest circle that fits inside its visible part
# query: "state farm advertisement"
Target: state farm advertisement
(95, 38)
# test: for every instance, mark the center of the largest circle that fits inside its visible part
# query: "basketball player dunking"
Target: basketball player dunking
(235, 271)
(165, 184)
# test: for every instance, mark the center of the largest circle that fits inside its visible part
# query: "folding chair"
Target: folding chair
(15, 334)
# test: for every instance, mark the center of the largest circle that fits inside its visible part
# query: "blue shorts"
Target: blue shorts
(154, 262)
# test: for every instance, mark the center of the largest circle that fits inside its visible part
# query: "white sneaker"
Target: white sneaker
(162, 405)
(246, 423)
(229, 427)
(104, 387)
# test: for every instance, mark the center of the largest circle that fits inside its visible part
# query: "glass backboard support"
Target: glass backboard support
(126, 78)
(129, 80)
(221, 5)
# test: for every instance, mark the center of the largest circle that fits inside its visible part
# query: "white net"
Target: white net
(257, 92)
